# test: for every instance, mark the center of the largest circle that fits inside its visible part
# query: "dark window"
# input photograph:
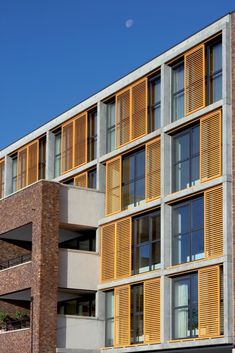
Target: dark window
(83, 305)
(146, 242)
(42, 158)
(14, 173)
(133, 178)
(154, 103)
(137, 317)
(86, 241)
(186, 152)
(92, 135)
(111, 126)
(178, 91)
(69, 181)
(185, 306)
(188, 231)
(92, 179)
(214, 71)
(109, 319)
(57, 153)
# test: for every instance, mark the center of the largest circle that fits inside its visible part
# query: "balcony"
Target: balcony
(16, 261)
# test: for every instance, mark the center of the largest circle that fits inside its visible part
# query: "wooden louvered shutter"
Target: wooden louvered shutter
(2, 173)
(152, 311)
(153, 170)
(113, 186)
(123, 248)
(139, 109)
(107, 252)
(67, 147)
(209, 302)
(22, 168)
(195, 79)
(33, 162)
(81, 180)
(122, 316)
(213, 213)
(123, 118)
(80, 145)
(210, 146)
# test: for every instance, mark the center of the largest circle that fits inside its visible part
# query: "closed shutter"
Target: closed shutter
(213, 200)
(139, 110)
(80, 143)
(2, 173)
(194, 79)
(67, 147)
(122, 316)
(152, 315)
(113, 186)
(107, 252)
(210, 146)
(33, 162)
(209, 302)
(22, 168)
(123, 248)
(123, 118)
(81, 180)
(153, 170)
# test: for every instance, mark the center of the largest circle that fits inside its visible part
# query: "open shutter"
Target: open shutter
(210, 146)
(139, 109)
(209, 302)
(123, 118)
(194, 79)
(153, 170)
(81, 180)
(152, 311)
(33, 162)
(80, 145)
(2, 173)
(67, 147)
(123, 248)
(122, 316)
(107, 252)
(113, 186)
(21, 168)
(213, 204)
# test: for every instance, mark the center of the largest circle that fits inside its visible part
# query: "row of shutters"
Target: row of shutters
(209, 308)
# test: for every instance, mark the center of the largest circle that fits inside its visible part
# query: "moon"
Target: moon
(129, 23)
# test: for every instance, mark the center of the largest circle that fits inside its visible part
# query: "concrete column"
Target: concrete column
(50, 153)
(166, 164)
(8, 176)
(166, 239)
(166, 305)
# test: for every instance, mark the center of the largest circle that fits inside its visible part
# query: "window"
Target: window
(186, 151)
(133, 178)
(42, 158)
(146, 242)
(154, 103)
(214, 71)
(86, 241)
(92, 135)
(92, 179)
(137, 314)
(185, 306)
(178, 91)
(14, 173)
(109, 319)
(57, 153)
(83, 305)
(2, 177)
(188, 231)
(111, 118)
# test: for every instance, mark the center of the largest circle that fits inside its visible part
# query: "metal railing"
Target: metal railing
(11, 325)
(16, 261)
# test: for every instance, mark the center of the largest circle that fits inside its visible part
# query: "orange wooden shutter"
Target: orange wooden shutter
(33, 162)
(123, 118)
(209, 302)
(153, 170)
(122, 316)
(210, 146)
(194, 79)
(152, 311)
(113, 186)
(213, 213)
(2, 173)
(123, 248)
(67, 147)
(80, 144)
(81, 180)
(22, 168)
(107, 252)
(139, 109)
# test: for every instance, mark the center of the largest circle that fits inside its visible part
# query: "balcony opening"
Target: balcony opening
(78, 239)
(76, 302)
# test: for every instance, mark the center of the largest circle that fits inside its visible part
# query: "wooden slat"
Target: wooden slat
(209, 302)
(107, 252)
(210, 146)
(67, 147)
(80, 140)
(139, 108)
(122, 316)
(123, 248)
(33, 162)
(123, 117)
(153, 170)
(213, 218)
(113, 186)
(22, 168)
(152, 322)
(81, 180)
(2, 173)
(194, 79)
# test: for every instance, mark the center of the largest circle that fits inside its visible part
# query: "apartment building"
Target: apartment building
(116, 217)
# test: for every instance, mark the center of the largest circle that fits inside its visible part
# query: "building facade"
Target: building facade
(116, 217)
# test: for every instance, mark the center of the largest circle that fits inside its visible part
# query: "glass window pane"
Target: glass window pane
(181, 323)
(128, 167)
(178, 106)
(196, 140)
(181, 219)
(142, 227)
(109, 334)
(109, 297)
(181, 292)
(128, 195)
(71, 307)
(181, 249)
(111, 114)
(182, 147)
(156, 251)
(181, 177)
(156, 230)
(197, 245)
(195, 178)
(143, 258)
(217, 87)
(217, 57)
(198, 213)
(140, 190)
(140, 164)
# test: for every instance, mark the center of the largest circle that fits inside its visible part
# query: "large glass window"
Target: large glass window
(111, 126)
(188, 231)
(14, 173)
(185, 306)
(86, 241)
(214, 71)
(137, 316)
(109, 319)
(178, 91)
(92, 135)
(133, 179)
(154, 103)
(57, 153)
(186, 151)
(83, 305)
(146, 242)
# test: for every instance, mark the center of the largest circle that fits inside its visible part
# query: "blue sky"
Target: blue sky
(55, 53)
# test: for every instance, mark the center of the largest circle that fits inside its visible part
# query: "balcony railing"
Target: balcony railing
(11, 325)
(16, 261)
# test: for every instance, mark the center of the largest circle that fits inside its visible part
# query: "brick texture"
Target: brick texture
(16, 341)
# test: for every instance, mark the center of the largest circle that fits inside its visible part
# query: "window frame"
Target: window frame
(111, 129)
(92, 178)
(179, 93)
(58, 156)
(92, 135)
(109, 318)
(86, 297)
(152, 108)
(136, 316)
(209, 75)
